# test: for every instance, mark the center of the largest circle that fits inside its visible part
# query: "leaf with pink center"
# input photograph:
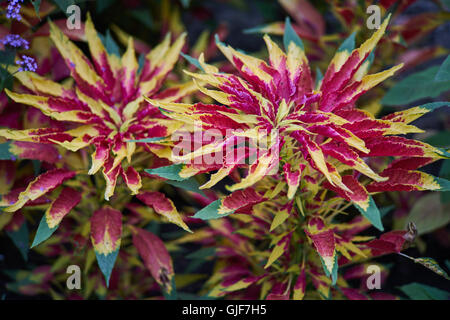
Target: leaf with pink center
(44, 183)
(163, 206)
(156, 258)
(58, 209)
(323, 239)
(237, 201)
(106, 233)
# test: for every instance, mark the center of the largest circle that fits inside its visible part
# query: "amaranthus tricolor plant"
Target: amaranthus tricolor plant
(278, 175)
(311, 149)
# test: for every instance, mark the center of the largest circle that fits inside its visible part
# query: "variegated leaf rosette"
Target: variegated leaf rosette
(303, 144)
(104, 107)
(100, 109)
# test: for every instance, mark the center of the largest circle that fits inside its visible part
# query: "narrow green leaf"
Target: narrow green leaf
(154, 139)
(418, 291)
(416, 86)
(192, 61)
(43, 232)
(110, 44)
(211, 211)
(372, 214)
(189, 184)
(202, 253)
(319, 77)
(185, 3)
(445, 173)
(36, 5)
(349, 43)
(4, 151)
(444, 71)
(440, 139)
(20, 239)
(334, 274)
(102, 5)
(143, 16)
(385, 210)
(106, 263)
(173, 293)
(291, 36)
(168, 172)
(256, 29)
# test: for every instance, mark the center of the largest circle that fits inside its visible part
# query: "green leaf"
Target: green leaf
(185, 3)
(211, 211)
(20, 239)
(189, 184)
(418, 291)
(142, 16)
(319, 77)
(173, 294)
(256, 29)
(428, 214)
(36, 167)
(385, 210)
(192, 61)
(445, 173)
(417, 86)
(43, 232)
(36, 5)
(217, 40)
(349, 44)
(4, 151)
(154, 139)
(110, 44)
(141, 63)
(291, 36)
(191, 296)
(106, 263)
(202, 253)
(440, 139)
(446, 4)
(372, 214)
(64, 4)
(444, 184)
(168, 172)
(334, 274)
(102, 5)
(444, 71)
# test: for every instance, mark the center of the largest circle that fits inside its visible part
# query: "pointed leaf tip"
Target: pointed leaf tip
(291, 36)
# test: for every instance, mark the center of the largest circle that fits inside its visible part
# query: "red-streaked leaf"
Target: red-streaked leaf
(40, 186)
(156, 257)
(58, 209)
(324, 242)
(163, 206)
(106, 233)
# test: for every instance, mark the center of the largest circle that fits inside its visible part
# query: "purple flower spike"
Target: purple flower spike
(27, 64)
(15, 41)
(13, 9)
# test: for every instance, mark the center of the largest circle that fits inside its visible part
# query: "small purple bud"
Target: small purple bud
(15, 41)
(13, 9)
(27, 64)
